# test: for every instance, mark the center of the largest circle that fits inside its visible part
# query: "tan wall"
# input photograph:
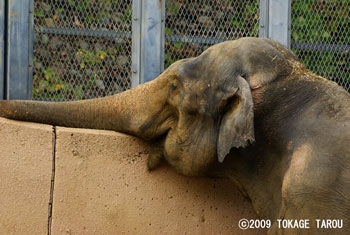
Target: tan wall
(101, 186)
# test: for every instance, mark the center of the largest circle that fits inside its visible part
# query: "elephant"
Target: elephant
(246, 110)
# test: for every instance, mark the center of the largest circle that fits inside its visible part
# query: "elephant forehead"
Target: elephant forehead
(197, 86)
(204, 91)
(193, 68)
(229, 49)
(196, 92)
(208, 79)
(200, 97)
(202, 66)
(259, 59)
(216, 59)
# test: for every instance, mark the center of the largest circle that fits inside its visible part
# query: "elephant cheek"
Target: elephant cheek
(174, 155)
(190, 158)
(202, 158)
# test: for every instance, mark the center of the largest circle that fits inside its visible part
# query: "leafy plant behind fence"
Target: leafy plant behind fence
(82, 48)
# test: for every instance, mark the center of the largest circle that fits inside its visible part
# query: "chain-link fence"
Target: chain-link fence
(321, 37)
(82, 49)
(193, 26)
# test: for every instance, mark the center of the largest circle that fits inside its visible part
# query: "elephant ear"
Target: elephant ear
(237, 124)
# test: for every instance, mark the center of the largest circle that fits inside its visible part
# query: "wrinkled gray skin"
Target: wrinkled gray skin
(199, 112)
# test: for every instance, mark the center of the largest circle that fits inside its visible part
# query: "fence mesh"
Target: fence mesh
(82, 49)
(193, 26)
(321, 39)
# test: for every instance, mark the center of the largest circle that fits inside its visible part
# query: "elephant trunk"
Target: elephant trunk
(128, 112)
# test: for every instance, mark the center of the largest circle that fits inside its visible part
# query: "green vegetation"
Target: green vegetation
(80, 67)
(54, 88)
(221, 20)
(323, 22)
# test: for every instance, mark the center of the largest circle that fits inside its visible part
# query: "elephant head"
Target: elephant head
(198, 109)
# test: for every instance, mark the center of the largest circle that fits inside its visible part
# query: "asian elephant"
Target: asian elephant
(243, 109)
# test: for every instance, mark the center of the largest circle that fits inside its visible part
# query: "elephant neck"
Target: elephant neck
(279, 106)
(282, 112)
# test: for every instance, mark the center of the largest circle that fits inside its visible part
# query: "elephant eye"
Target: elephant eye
(227, 103)
(173, 86)
(244, 75)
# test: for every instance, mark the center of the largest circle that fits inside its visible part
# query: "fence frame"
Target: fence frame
(147, 40)
(19, 44)
(275, 20)
(2, 48)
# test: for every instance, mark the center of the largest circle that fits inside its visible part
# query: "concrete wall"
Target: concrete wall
(100, 185)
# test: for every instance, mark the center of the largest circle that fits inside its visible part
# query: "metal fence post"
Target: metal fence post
(147, 40)
(136, 42)
(275, 20)
(19, 49)
(2, 49)
(264, 18)
(152, 39)
(279, 21)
